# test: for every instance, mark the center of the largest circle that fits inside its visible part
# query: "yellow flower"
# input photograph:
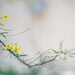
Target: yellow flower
(4, 16)
(2, 24)
(7, 47)
(15, 47)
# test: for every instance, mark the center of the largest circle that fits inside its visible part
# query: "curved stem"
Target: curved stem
(29, 65)
(21, 60)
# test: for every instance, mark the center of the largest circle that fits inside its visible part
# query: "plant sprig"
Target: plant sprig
(51, 53)
(31, 64)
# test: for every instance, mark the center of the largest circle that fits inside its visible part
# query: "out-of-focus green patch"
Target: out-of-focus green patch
(9, 71)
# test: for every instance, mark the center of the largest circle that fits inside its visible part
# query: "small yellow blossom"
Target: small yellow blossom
(4, 16)
(7, 47)
(3, 25)
(15, 47)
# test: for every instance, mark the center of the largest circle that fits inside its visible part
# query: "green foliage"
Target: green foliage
(33, 71)
(8, 72)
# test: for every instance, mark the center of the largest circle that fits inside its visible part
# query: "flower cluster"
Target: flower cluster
(4, 17)
(13, 47)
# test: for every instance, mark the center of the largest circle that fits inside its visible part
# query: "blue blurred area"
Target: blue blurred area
(37, 7)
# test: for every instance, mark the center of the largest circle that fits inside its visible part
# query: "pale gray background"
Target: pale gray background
(57, 24)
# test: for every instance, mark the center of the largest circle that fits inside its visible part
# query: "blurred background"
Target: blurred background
(49, 21)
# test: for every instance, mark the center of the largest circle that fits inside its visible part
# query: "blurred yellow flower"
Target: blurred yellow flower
(2, 24)
(4, 16)
(15, 47)
(7, 47)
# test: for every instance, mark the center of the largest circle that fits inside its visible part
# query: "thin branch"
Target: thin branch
(19, 33)
(39, 56)
(6, 29)
(44, 62)
(29, 65)
(22, 61)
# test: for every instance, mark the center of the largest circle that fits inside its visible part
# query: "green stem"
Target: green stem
(6, 29)
(21, 60)
(2, 43)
